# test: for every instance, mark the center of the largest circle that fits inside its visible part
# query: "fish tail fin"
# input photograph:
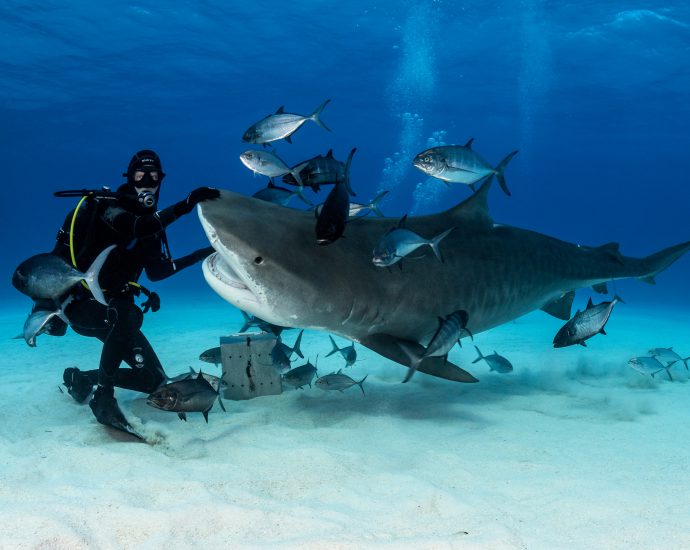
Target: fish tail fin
(300, 193)
(220, 400)
(316, 115)
(479, 356)
(348, 163)
(91, 275)
(335, 349)
(414, 357)
(295, 348)
(247, 320)
(361, 384)
(374, 205)
(295, 174)
(436, 240)
(501, 168)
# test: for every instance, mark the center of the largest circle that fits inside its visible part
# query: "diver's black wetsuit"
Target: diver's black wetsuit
(141, 246)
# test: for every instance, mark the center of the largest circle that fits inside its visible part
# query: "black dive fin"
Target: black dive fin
(288, 139)
(590, 304)
(602, 331)
(388, 346)
(469, 143)
(560, 307)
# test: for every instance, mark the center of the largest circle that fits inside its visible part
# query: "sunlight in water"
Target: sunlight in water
(409, 93)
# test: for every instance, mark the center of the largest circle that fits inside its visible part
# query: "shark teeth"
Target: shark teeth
(222, 270)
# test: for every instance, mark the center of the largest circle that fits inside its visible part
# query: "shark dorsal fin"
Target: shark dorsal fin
(476, 208)
(280, 110)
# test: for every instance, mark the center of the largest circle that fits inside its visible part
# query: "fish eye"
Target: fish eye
(258, 260)
(427, 158)
(248, 155)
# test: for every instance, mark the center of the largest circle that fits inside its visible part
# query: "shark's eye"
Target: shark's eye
(258, 260)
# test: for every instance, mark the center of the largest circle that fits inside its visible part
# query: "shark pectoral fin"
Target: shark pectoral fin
(560, 307)
(389, 347)
(601, 288)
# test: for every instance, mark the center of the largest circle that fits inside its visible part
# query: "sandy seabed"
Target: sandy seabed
(572, 450)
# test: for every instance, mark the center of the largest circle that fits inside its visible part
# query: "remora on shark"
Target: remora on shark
(268, 263)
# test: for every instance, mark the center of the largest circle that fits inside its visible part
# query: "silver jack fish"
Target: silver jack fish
(460, 164)
(300, 376)
(357, 209)
(268, 164)
(495, 361)
(37, 322)
(349, 353)
(47, 276)
(450, 330)
(187, 395)
(280, 195)
(264, 326)
(668, 355)
(585, 324)
(211, 355)
(339, 381)
(322, 170)
(281, 125)
(398, 242)
(649, 365)
(281, 353)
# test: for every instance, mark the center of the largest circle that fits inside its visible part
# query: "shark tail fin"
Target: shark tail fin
(479, 356)
(374, 205)
(415, 359)
(346, 171)
(501, 168)
(316, 115)
(657, 262)
(91, 275)
(436, 240)
(335, 349)
(295, 348)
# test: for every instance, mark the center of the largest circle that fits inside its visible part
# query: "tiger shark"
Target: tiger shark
(267, 263)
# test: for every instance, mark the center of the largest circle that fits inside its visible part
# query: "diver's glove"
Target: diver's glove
(171, 213)
(152, 302)
(199, 194)
(202, 254)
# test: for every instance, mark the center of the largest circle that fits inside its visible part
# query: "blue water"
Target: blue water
(593, 95)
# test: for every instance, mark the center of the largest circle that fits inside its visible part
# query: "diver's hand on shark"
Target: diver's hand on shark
(200, 194)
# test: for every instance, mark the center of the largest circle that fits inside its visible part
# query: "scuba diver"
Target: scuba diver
(128, 218)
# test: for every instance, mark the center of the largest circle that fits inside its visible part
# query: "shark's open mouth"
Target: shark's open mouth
(226, 282)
